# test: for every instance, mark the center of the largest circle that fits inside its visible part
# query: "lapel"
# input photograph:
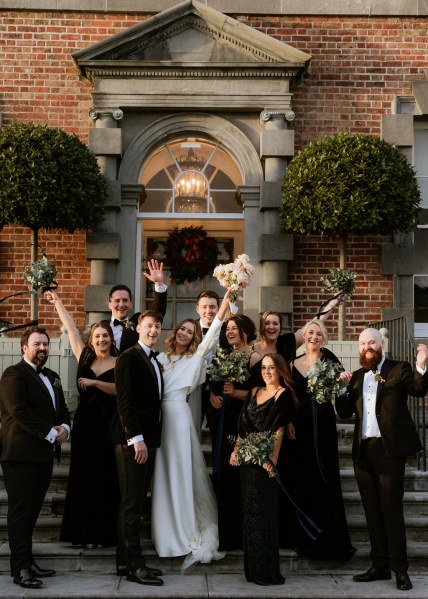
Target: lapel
(386, 367)
(41, 384)
(360, 385)
(144, 357)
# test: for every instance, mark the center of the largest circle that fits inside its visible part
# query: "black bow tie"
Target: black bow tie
(153, 354)
(121, 322)
(204, 330)
(41, 370)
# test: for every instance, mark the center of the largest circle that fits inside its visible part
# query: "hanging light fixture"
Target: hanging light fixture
(191, 186)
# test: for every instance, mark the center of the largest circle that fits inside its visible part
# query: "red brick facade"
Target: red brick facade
(358, 67)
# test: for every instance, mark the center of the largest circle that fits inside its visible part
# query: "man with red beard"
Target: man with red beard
(384, 436)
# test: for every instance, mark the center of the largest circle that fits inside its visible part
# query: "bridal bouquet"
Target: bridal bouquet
(323, 380)
(228, 366)
(339, 279)
(256, 448)
(41, 274)
(234, 276)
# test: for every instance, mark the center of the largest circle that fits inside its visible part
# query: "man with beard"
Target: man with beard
(384, 436)
(34, 423)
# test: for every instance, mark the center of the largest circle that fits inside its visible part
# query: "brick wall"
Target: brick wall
(359, 65)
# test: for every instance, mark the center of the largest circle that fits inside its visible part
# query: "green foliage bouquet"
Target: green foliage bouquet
(228, 366)
(40, 274)
(256, 448)
(339, 279)
(323, 380)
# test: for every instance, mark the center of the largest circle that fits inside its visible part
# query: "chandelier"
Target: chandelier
(191, 186)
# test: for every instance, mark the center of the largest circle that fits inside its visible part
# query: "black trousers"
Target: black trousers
(26, 485)
(380, 480)
(134, 483)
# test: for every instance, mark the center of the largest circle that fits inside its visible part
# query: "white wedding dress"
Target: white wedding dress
(184, 507)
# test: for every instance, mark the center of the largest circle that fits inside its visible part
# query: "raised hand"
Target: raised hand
(155, 274)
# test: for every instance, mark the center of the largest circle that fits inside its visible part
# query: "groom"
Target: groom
(384, 436)
(139, 389)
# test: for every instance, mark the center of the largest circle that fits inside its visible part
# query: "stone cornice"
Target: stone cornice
(365, 8)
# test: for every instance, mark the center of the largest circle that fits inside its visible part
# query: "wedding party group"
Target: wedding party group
(136, 451)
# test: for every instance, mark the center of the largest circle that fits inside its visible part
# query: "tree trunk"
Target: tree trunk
(34, 251)
(342, 307)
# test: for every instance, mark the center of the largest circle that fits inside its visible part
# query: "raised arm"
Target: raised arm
(76, 342)
(333, 303)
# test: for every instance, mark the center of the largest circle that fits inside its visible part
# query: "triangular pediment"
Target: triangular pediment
(190, 34)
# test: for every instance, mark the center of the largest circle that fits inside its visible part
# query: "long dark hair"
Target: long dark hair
(88, 354)
(285, 377)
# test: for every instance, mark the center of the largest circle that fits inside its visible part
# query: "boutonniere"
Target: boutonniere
(378, 377)
(57, 383)
(129, 325)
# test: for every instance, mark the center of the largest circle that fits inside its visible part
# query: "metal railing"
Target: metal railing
(401, 346)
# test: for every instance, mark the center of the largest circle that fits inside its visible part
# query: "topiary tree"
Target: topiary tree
(48, 179)
(349, 183)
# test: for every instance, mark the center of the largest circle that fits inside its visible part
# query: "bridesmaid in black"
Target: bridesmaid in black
(268, 408)
(309, 464)
(92, 498)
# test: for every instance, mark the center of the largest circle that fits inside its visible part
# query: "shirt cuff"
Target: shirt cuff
(160, 287)
(135, 439)
(421, 370)
(52, 435)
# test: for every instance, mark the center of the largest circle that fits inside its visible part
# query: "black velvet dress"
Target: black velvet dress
(309, 469)
(92, 499)
(259, 493)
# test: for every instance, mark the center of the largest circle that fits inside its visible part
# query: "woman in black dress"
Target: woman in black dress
(267, 409)
(309, 463)
(228, 398)
(92, 499)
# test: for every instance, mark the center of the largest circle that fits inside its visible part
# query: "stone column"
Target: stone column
(103, 245)
(276, 248)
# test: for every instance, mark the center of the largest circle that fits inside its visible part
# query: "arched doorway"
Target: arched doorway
(189, 180)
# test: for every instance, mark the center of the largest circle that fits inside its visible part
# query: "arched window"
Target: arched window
(190, 175)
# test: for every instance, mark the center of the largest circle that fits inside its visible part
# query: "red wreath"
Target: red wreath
(190, 254)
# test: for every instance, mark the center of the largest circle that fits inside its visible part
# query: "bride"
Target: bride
(184, 509)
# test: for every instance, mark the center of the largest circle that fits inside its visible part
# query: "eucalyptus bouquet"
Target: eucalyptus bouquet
(339, 279)
(234, 276)
(256, 448)
(228, 366)
(323, 380)
(41, 274)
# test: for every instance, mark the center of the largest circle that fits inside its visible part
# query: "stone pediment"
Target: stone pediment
(190, 35)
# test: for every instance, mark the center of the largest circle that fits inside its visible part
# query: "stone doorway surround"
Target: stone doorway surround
(196, 69)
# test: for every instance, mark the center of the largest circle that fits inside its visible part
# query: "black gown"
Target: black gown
(92, 499)
(259, 493)
(226, 478)
(309, 469)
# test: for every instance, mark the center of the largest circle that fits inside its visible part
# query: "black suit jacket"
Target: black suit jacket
(130, 336)
(398, 431)
(28, 414)
(138, 398)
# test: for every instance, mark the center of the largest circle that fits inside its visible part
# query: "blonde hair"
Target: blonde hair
(193, 345)
(321, 325)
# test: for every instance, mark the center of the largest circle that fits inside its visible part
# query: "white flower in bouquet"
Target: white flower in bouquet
(234, 276)
(40, 274)
(323, 380)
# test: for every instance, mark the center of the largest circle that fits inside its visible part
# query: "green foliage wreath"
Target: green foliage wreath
(190, 254)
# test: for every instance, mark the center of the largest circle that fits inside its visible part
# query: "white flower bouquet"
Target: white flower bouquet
(339, 279)
(256, 448)
(234, 276)
(40, 274)
(228, 366)
(323, 380)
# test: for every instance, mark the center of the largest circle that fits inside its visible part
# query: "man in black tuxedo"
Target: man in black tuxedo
(120, 303)
(34, 423)
(384, 436)
(139, 388)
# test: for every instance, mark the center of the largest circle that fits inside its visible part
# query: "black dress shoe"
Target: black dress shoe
(403, 581)
(144, 576)
(26, 580)
(154, 571)
(37, 571)
(372, 574)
